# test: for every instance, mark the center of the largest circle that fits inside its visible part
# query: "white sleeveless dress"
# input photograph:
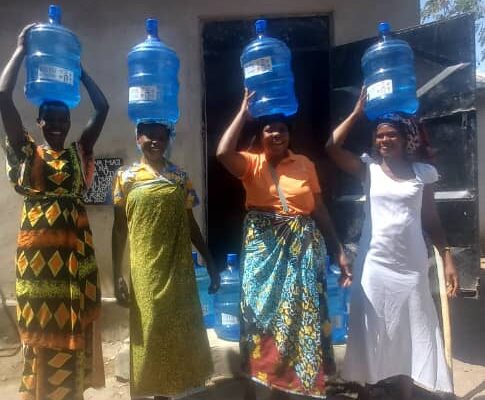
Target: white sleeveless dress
(394, 328)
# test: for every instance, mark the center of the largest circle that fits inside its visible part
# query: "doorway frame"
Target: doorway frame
(202, 21)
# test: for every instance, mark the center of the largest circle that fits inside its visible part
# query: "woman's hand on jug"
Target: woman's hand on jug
(359, 106)
(245, 102)
(22, 38)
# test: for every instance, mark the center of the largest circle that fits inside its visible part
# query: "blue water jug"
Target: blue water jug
(337, 304)
(227, 301)
(53, 62)
(206, 300)
(266, 63)
(388, 68)
(348, 298)
(153, 80)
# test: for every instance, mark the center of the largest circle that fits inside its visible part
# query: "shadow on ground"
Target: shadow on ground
(472, 393)
(468, 327)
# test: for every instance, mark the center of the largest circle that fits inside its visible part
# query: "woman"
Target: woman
(286, 334)
(58, 297)
(394, 329)
(153, 200)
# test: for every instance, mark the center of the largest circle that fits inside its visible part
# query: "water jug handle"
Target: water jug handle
(384, 28)
(152, 28)
(260, 26)
(54, 14)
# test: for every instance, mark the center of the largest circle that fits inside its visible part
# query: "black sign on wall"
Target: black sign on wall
(104, 173)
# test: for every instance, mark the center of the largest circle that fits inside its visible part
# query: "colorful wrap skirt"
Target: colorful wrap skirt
(285, 332)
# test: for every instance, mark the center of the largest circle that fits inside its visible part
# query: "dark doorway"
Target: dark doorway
(309, 41)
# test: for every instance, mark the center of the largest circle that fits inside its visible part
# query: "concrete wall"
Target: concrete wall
(108, 29)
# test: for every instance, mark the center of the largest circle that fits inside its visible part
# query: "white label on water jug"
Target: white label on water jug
(228, 319)
(56, 74)
(258, 67)
(205, 309)
(379, 89)
(337, 321)
(143, 93)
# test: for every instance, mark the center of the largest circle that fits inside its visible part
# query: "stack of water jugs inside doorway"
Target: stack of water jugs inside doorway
(338, 300)
(221, 311)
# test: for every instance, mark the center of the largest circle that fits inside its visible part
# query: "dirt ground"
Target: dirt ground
(468, 318)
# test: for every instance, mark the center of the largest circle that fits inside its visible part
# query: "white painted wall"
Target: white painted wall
(108, 29)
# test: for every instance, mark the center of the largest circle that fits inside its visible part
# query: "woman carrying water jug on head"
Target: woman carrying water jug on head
(153, 200)
(285, 328)
(394, 329)
(286, 333)
(57, 287)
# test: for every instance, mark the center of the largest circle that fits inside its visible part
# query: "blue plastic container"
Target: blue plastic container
(53, 62)
(153, 80)
(388, 68)
(337, 304)
(227, 301)
(266, 63)
(348, 296)
(206, 300)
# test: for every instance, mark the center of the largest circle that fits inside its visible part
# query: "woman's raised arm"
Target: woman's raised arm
(346, 160)
(227, 154)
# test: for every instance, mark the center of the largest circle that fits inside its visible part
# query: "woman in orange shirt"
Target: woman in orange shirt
(285, 330)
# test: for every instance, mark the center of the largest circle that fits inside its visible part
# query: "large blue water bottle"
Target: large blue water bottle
(206, 300)
(348, 298)
(153, 80)
(337, 304)
(227, 301)
(53, 62)
(388, 68)
(266, 64)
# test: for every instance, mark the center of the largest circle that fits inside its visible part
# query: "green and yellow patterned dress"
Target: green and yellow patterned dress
(170, 354)
(58, 297)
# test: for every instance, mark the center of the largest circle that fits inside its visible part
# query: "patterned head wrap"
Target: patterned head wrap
(417, 143)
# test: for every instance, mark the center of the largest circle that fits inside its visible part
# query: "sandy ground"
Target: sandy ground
(469, 381)
(468, 318)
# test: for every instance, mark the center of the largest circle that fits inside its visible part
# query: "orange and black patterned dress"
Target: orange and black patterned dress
(57, 289)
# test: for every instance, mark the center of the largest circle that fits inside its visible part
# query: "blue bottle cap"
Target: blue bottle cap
(260, 26)
(384, 27)
(152, 27)
(194, 257)
(54, 14)
(231, 259)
